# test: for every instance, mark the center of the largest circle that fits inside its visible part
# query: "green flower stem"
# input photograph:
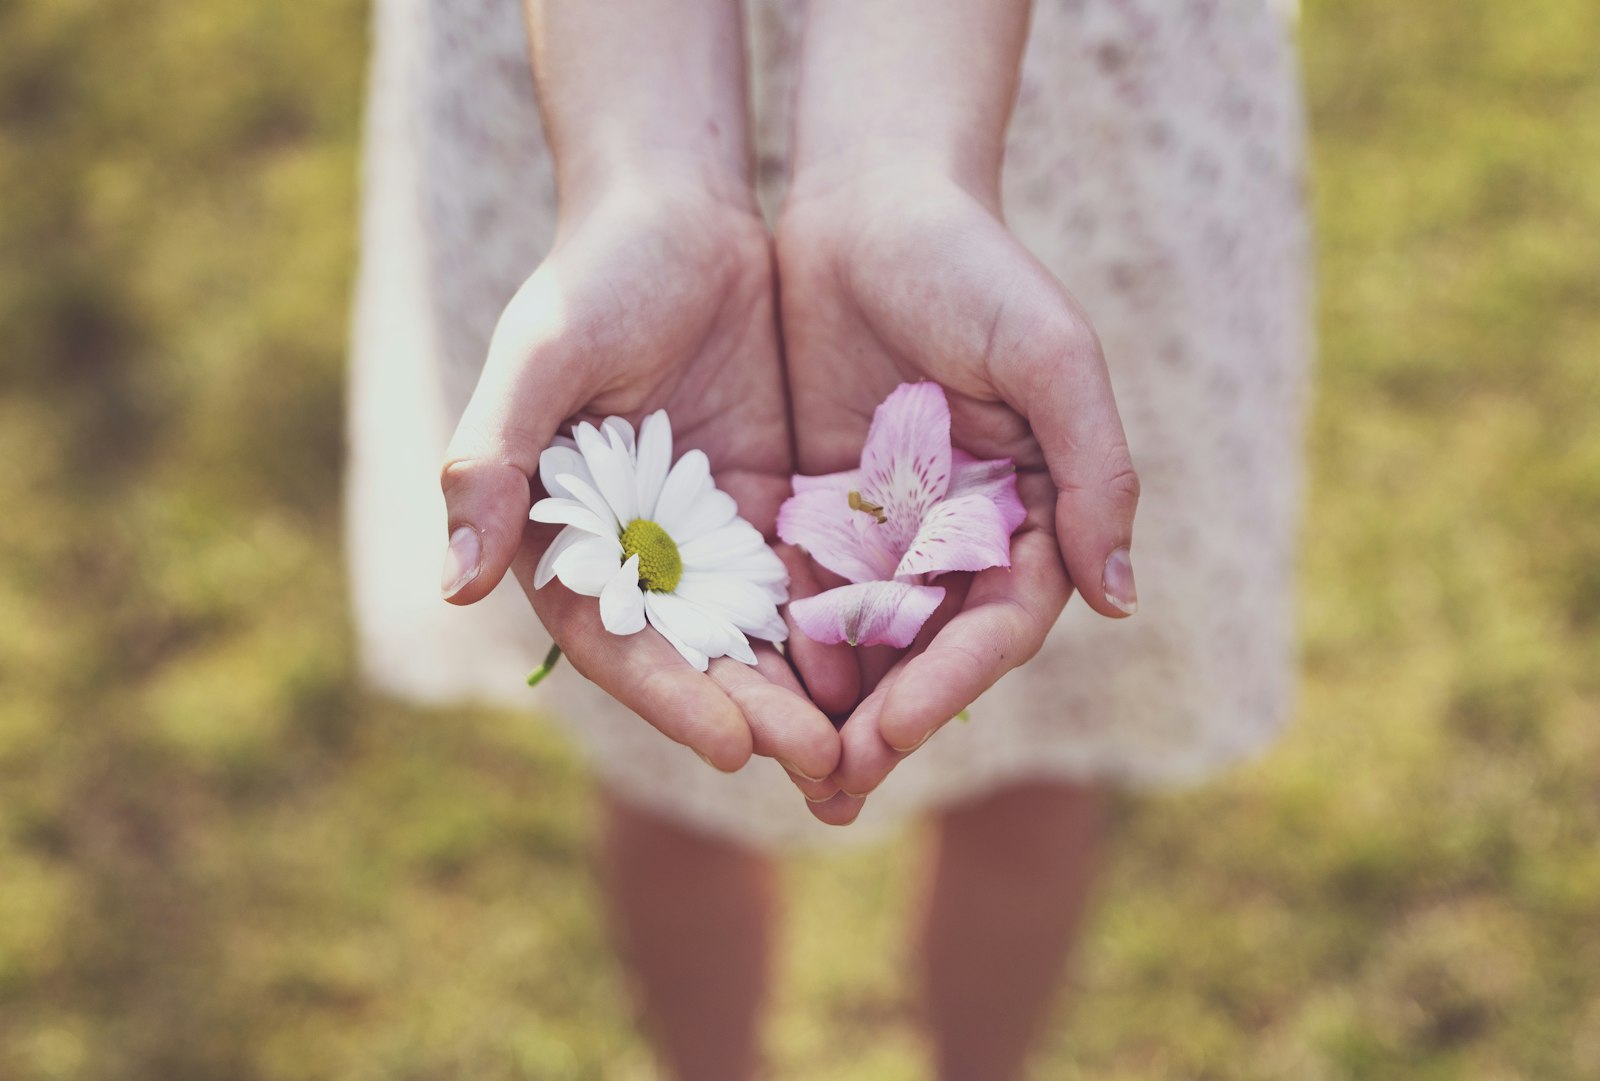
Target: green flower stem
(551, 659)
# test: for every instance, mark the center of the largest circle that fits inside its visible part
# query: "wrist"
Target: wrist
(888, 166)
(607, 172)
(898, 85)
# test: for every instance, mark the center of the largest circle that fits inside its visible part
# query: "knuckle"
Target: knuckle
(1122, 482)
(1061, 340)
(1023, 631)
(495, 477)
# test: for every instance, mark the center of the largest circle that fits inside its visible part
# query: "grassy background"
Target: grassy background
(221, 859)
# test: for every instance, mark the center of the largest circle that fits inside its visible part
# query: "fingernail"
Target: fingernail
(713, 765)
(797, 773)
(1118, 582)
(926, 736)
(462, 561)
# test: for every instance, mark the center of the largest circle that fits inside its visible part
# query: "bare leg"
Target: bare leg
(1010, 880)
(692, 916)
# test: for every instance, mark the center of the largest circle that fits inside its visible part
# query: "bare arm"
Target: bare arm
(628, 87)
(905, 82)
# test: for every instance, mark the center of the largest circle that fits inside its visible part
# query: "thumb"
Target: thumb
(1056, 377)
(522, 396)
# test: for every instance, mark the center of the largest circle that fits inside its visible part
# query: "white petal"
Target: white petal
(756, 564)
(653, 460)
(736, 540)
(700, 629)
(570, 513)
(689, 477)
(775, 630)
(709, 510)
(737, 646)
(744, 604)
(556, 460)
(622, 601)
(622, 430)
(664, 628)
(584, 493)
(546, 569)
(587, 566)
(613, 472)
(761, 568)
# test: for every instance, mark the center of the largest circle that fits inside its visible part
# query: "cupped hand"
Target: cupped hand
(653, 296)
(896, 275)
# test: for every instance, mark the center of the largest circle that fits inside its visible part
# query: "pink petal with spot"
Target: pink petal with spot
(848, 542)
(905, 465)
(965, 534)
(996, 479)
(867, 613)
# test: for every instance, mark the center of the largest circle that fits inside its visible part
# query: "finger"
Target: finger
(784, 724)
(522, 396)
(829, 671)
(1005, 620)
(644, 673)
(865, 759)
(838, 810)
(814, 791)
(1054, 373)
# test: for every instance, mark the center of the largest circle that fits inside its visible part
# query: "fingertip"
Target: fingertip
(726, 742)
(794, 731)
(865, 759)
(813, 791)
(693, 710)
(487, 503)
(726, 749)
(837, 810)
(783, 723)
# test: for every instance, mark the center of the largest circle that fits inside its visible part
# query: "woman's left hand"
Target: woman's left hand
(895, 275)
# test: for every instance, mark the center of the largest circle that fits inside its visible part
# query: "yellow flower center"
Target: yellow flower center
(660, 565)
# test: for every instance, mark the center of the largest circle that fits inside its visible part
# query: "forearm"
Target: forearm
(900, 82)
(641, 88)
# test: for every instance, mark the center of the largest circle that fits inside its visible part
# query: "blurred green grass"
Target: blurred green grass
(221, 858)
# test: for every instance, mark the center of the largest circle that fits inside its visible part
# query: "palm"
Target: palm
(675, 297)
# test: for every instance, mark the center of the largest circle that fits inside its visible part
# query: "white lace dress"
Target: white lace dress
(1155, 163)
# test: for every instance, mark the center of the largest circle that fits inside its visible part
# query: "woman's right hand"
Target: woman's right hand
(656, 295)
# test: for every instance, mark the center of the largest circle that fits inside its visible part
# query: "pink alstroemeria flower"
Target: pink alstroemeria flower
(916, 508)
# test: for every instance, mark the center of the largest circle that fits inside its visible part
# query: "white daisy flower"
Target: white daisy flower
(657, 543)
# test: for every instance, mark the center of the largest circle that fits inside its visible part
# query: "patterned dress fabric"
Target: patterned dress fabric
(1155, 162)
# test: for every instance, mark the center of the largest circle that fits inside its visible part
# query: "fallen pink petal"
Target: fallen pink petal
(867, 613)
(917, 507)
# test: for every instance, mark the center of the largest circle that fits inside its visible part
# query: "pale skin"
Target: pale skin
(895, 265)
